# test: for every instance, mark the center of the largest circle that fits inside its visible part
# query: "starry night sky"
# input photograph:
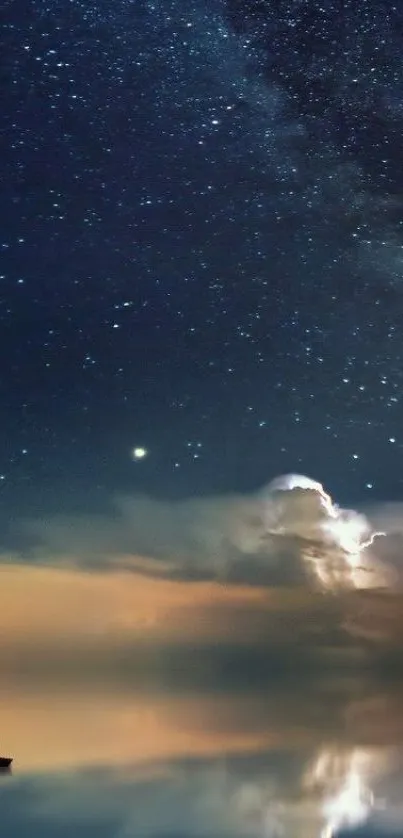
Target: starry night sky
(202, 247)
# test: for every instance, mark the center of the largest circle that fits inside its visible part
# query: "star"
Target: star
(139, 453)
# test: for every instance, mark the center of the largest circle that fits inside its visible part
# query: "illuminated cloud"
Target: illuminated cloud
(241, 571)
(290, 532)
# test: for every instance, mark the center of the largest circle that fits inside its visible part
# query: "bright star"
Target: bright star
(139, 453)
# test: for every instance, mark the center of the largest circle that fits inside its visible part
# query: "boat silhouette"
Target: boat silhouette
(5, 762)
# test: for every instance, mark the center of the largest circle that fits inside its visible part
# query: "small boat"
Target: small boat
(5, 762)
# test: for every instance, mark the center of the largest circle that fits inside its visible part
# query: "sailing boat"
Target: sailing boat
(5, 762)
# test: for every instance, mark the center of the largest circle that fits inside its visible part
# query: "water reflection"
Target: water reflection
(344, 779)
(299, 761)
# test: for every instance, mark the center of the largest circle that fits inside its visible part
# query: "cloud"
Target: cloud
(288, 533)
(240, 571)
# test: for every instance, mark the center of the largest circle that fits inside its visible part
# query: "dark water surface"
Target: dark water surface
(295, 759)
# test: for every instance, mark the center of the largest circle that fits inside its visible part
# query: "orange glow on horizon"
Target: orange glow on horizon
(50, 603)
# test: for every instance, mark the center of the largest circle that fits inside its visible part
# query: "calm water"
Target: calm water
(112, 760)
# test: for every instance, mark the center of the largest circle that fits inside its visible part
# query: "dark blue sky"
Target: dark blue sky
(202, 248)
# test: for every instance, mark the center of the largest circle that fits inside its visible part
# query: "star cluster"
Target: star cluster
(202, 246)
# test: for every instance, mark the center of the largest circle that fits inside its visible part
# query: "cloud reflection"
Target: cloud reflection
(115, 764)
